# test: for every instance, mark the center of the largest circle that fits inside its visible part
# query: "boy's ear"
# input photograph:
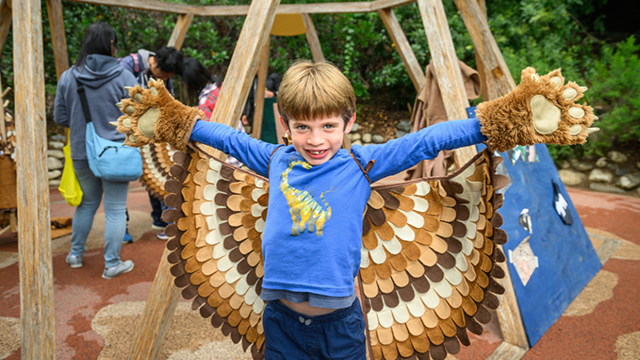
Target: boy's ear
(284, 125)
(347, 128)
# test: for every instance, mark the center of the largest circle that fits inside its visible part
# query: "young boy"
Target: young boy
(313, 233)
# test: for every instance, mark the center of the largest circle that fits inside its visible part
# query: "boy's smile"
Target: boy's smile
(319, 140)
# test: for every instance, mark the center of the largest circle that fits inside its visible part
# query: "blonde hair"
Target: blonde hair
(309, 91)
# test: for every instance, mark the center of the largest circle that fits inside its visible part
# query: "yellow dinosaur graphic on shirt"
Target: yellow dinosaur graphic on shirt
(306, 212)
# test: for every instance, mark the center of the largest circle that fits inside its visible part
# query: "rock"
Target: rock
(565, 164)
(357, 142)
(571, 178)
(622, 171)
(612, 166)
(400, 134)
(605, 188)
(366, 138)
(355, 127)
(54, 174)
(56, 144)
(630, 181)
(55, 182)
(54, 164)
(638, 164)
(404, 125)
(58, 154)
(355, 136)
(581, 165)
(378, 139)
(602, 162)
(58, 137)
(599, 175)
(617, 157)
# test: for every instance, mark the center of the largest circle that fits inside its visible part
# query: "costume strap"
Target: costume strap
(270, 156)
(366, 169)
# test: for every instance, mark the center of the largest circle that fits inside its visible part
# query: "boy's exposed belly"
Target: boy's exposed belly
(306, 309)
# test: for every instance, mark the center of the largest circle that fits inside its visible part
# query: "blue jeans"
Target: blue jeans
(115, 203)
(291, 335)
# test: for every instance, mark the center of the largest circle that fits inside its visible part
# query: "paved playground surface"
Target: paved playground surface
(96, 318)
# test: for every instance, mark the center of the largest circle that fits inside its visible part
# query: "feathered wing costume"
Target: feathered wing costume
(429, 256)
(157, 159)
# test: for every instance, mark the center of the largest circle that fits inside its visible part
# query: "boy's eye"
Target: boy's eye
(301, 127)
(329, 126)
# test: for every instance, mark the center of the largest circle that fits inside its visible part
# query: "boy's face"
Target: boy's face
(318, 140)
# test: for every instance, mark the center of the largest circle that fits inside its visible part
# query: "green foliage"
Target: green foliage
(545, 34)
(615, 84)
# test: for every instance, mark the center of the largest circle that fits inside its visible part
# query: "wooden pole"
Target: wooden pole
(58, 37)
(180, 30)
(404, 48)
(480, 67)
(495, 84)
(446, 68)
(499, 81)
(258, 114)
(36, 272)
(312, 39)
(5, 21)
(163, 296)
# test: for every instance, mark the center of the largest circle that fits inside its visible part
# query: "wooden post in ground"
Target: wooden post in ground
(163, 296)
(5, 21)
(263, 70)
(156, 317)
(404, 48)
(498, 78)
(58, 37)
(34, 245)
(498, 81)
(312, 39)
(446, 67)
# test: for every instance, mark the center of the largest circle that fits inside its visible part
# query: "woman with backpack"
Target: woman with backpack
(98, 72)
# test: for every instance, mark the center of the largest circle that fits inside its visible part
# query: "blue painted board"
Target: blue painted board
(566, 258)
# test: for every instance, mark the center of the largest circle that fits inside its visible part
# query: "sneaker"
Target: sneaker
(162, 236)
(74, 261)
(159, 225)
(127, 238)
(121, 268)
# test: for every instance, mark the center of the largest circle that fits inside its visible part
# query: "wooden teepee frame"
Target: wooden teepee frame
(36, 279)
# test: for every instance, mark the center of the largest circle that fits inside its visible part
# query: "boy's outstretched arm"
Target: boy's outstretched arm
(153, 115)
(538, 110)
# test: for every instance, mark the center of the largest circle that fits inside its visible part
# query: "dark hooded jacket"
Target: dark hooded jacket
(104, 81)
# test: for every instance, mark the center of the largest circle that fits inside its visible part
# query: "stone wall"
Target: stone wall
(615, 173)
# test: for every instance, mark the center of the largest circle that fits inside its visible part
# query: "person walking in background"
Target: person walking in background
(104, 81)
(207, 86)
(272, 85)
(146, 65)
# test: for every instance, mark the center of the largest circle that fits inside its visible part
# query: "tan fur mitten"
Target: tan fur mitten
(538, 110)
(153, 115)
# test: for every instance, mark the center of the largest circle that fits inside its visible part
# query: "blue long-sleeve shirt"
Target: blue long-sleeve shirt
(324, 258)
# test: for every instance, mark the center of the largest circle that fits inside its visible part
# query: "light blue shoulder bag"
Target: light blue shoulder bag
(109, 160)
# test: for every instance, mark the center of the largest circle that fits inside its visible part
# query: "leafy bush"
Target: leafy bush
(545, 34)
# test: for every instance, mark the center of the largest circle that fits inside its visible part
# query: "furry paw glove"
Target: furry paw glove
(153, 115)
(539, 110)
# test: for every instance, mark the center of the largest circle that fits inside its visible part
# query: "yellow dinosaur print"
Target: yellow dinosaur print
(306, 212)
